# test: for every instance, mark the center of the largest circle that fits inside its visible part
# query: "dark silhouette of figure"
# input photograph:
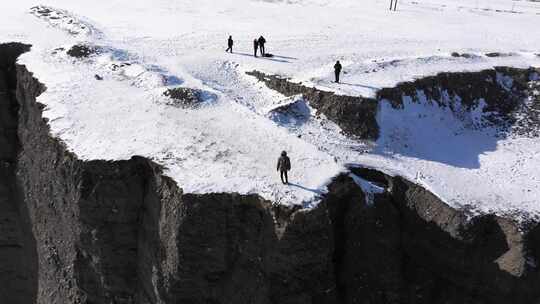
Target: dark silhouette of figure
(230, 43)
(262, 41)
(394, 3)
(255, 47)
(283, 166)
(337, 70)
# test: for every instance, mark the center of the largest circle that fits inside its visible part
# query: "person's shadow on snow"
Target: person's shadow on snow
(360, 85)
(275, 58)
(316, 191)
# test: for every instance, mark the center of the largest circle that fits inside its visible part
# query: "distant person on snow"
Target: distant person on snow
(337, 70)
(262, 41)
(230, 43)
(255, 47)
(283, 166)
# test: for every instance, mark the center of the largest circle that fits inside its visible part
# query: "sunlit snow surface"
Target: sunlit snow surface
(231, 143)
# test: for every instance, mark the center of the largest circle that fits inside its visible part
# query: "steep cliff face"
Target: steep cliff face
(121, 232)
(502, 89)
(74, 231)
(449, 258)
(17, 248)
(407, 246)
(355, 115)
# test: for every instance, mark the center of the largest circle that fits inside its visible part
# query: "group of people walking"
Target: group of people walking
(258, 45)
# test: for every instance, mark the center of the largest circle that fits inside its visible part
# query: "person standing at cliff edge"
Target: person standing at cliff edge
(337, 70)
(255, 47)
(283, 166)
(230, 43)
(262, 41)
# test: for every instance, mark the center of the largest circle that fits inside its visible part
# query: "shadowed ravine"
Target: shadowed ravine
(74, 231)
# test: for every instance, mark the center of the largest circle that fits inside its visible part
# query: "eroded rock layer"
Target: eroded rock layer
(500, 92)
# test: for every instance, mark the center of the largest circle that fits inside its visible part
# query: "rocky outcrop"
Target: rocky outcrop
(75, 231)
(82, 51)
(504, 91)
(448, 257)
(499, 54)
(64, 20)
(355, 115)
(463, 55)
(184, 97)
(527, 118)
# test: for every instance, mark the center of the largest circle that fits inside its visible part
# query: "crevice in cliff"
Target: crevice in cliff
(368, 254)
(342, 197)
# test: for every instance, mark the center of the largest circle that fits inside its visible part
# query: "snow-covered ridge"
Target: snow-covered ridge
(105, 69)
(232, 143)
(66, 21)
(120, 65)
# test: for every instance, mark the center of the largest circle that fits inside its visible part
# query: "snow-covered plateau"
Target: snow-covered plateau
(110, 105)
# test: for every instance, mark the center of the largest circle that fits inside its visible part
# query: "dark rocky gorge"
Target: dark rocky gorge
(74, 231)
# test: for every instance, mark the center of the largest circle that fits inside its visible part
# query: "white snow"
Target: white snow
(232, 142)
(467, 167)
(368, 188)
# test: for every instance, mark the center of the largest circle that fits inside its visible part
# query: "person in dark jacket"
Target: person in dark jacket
(283, 166)
(262, 41)
(255, 47)
(230, 43)
(337, 70)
